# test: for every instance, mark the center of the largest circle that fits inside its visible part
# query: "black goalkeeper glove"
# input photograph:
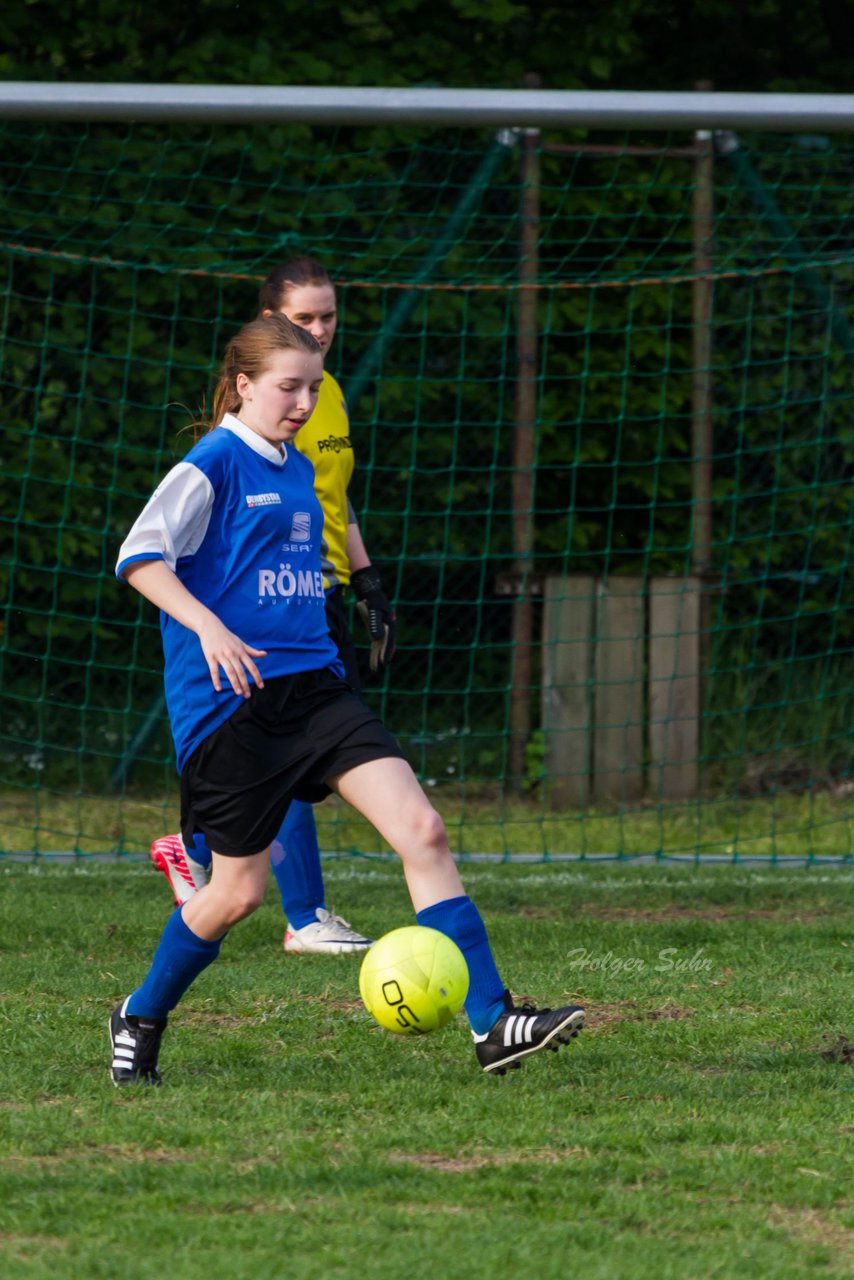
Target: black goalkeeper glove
(376, 613)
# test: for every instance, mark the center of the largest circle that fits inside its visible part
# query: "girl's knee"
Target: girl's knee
(241, 903)
(435, 829)
(250, 904)
(430, 831)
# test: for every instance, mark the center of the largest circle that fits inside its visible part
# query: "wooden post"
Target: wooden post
(567, 690)
(524, 450)
(620, 642)
(674, 687)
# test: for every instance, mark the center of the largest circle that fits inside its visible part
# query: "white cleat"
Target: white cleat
(330, 936)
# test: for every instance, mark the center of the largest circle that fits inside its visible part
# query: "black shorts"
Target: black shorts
(280, 745)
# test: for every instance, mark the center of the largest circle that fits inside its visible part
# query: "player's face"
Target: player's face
(282, 398)
(312, 307)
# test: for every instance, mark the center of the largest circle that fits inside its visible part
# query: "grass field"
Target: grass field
(809, 823)
(702, 1126)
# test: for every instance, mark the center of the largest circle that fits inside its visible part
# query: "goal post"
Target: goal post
(597, 355)
(437, 108)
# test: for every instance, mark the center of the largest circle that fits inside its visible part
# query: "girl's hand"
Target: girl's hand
(159, 584)
(223, 649)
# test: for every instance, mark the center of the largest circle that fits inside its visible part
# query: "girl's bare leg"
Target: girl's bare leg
(234, 891)
(389, 795)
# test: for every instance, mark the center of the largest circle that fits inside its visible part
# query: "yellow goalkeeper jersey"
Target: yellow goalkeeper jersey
(325, 440)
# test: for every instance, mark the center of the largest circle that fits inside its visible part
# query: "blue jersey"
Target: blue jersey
(240, 526)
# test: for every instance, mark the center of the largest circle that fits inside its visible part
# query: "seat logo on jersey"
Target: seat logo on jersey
(263, 499)
(285, 583)
(301, 527)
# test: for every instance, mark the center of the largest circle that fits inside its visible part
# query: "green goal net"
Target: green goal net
(600, 391)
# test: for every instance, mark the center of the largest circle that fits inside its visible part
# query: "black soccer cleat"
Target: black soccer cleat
(523, 1030)
(135, 1043)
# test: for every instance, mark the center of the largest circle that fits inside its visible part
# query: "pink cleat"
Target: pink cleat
(185, 875)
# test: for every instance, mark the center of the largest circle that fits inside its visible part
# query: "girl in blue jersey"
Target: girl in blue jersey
(229, 549)
(302, 290)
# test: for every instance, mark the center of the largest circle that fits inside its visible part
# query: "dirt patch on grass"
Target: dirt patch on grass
(541, 913)
(223, 1021)
(108, 1151)
(333, 1002)
(419, 1210)
(474, 1160)
(814, 1226)
(272, 1011)
(840, 1050)
(137, 1155)
(257, 1207)
(602, 1016)
(22, 1247)
(14, 1104)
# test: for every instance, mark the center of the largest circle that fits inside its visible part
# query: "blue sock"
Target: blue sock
(180, 957)
(460, 919)
(295, 859)
(199, 850)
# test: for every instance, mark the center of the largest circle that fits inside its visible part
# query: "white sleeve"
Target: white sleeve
(173, 522)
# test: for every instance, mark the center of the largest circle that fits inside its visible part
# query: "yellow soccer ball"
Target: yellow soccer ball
(414, 980)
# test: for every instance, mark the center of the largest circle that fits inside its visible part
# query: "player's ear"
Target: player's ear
(265, 313)
(242, 385)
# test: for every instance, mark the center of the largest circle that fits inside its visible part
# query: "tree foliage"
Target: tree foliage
(625, 44)
(109, 351)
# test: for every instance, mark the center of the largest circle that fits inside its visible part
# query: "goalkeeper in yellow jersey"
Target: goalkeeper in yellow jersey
(303, 291)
